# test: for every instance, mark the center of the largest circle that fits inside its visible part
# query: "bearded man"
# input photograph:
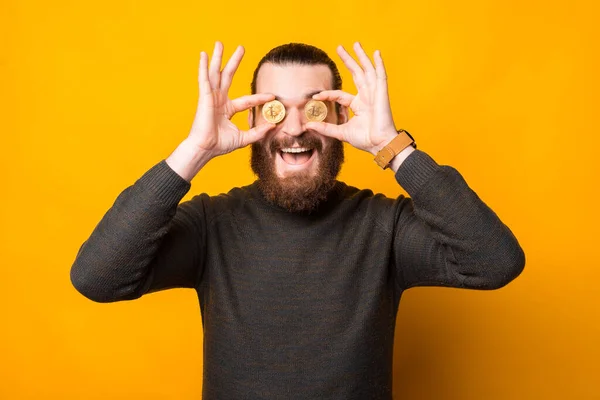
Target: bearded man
(298, 275)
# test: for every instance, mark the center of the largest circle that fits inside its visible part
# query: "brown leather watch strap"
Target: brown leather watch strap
(393, 148)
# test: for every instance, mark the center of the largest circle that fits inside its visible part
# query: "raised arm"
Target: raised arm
(147, 241)
(144, 242)
(444, 235)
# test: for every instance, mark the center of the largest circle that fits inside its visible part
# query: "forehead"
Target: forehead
(290, 81)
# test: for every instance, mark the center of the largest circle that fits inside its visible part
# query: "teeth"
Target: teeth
(295, 150)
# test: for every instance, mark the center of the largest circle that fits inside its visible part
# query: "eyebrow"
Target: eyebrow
(307, 96)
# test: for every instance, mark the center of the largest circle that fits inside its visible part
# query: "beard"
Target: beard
(301, 192)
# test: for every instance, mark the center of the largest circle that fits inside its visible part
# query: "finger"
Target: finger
(255, 134)
(358, 75)
(214, 73)
(231, 67)
(364, 60)
(326, 129)
(203, 81)
(338, 96)
(382, 87)
(253, 100)
(379, 66)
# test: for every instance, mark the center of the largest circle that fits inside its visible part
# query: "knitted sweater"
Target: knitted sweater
(297, 306)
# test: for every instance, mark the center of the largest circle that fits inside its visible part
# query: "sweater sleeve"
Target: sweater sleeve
(445, 235)
(145, 242)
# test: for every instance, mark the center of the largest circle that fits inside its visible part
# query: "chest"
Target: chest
(290, 268)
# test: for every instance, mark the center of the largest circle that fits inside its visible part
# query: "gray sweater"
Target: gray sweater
(297, 306)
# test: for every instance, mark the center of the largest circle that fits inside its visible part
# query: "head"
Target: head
(296, 181)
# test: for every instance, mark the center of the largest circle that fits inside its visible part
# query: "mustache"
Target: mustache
(307, 139)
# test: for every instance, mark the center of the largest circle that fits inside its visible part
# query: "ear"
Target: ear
(251, 118)
(343, 115)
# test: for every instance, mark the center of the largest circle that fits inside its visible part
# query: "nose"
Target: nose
(293, 123)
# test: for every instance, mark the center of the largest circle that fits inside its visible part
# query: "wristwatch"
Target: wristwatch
(393, 148)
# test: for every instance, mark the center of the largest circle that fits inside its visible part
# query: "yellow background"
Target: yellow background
(95, 93)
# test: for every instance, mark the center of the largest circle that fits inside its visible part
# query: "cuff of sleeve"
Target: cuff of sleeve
(165, 183)
(415, 171)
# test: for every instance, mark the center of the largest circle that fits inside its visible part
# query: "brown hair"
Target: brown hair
(301, 54)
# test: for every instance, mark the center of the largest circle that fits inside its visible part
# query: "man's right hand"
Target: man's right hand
(213, 133)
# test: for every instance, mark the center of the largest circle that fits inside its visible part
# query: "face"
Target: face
(296, 167)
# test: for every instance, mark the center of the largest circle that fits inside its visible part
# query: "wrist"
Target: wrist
(188, 159)
(389, 136)
(393, 153)
(400, 158)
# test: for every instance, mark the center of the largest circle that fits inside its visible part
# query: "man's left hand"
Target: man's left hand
(372, 126)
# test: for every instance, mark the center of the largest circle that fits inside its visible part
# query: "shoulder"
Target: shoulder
(215, 205)
(374, 207)
(365, 197)
(209, 206)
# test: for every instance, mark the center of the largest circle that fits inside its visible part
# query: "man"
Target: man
(298, 275)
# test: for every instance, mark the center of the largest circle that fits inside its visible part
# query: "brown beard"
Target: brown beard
(301, 192)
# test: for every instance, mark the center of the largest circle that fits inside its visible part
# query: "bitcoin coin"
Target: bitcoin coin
(273, 111)
(315, 110)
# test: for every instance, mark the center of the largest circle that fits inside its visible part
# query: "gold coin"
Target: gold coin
(273, 111)
(315, 110)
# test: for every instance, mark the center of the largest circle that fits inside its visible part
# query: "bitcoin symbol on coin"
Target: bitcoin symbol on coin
(273, 111)
(315, 110)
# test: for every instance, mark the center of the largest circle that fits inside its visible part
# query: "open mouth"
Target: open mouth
(296, 155)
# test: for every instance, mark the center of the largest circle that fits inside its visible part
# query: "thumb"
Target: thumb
(255, 134)
(326, 129)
